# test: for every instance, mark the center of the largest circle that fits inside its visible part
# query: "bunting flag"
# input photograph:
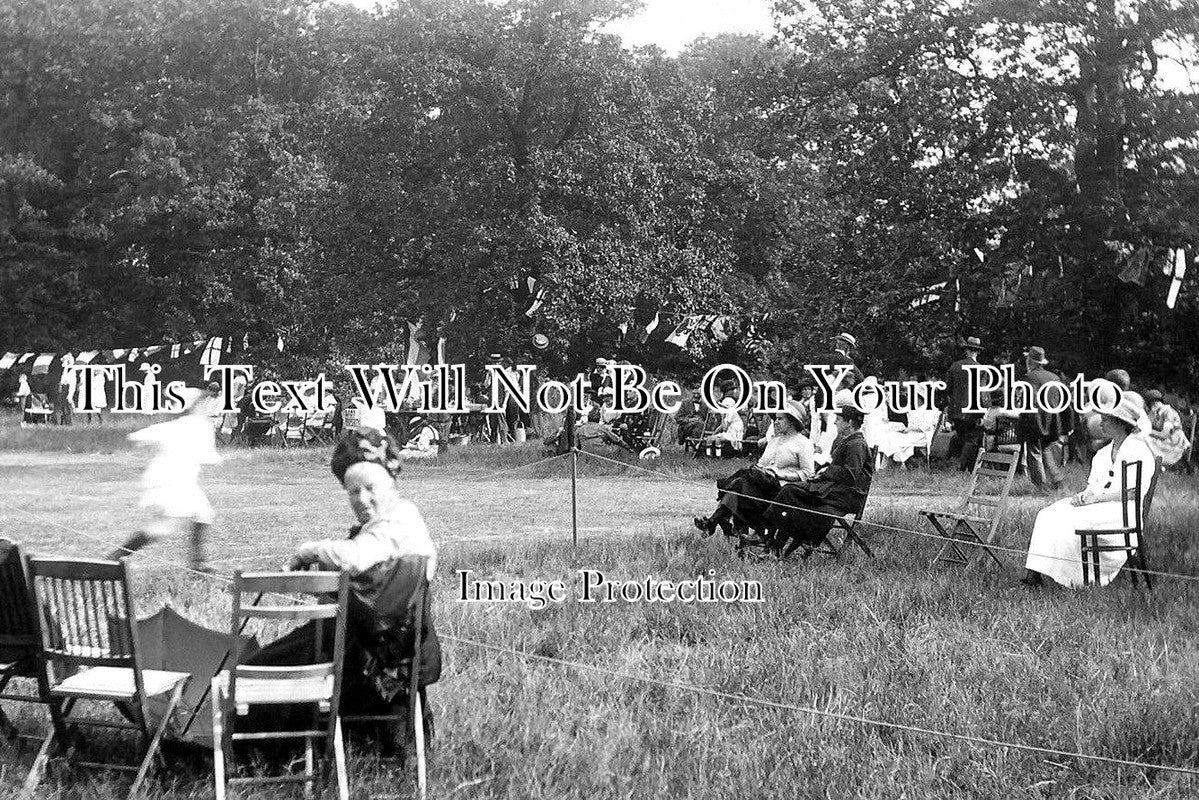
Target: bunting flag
(41, 364)
(87, 357)
(279, 343)
(153, 350)
(211, 356)
(117, 355)
(720, 329)
(418, 353)
(931, 294)
(175, 348)
(684, 330)
(8, 360)
(980, 255)
(755, 342)
(1134, 266)
(133, 354)
(530, 292)
(1180, 269)
(650, 328)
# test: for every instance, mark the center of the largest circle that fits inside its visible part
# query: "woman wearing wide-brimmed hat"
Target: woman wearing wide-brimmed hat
(789, 457)
(1054, 549)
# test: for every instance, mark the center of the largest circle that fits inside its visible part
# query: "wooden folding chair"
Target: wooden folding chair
(407, 613)
(978, 517)
(19, 637)
(1133, 525)
(89, 651)
(317, 684)
(848, 524)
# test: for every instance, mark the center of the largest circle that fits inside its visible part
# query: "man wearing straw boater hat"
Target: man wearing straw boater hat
(843, 347)
(1041, 432)
(967, 427)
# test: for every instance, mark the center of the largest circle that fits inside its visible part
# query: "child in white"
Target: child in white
(172, 500)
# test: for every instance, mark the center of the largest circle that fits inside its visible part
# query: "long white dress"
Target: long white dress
(1054, 549)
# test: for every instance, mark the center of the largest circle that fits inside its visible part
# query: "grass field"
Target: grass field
(1108, 672)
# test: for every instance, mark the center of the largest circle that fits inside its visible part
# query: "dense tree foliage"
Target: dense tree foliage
(174, 168)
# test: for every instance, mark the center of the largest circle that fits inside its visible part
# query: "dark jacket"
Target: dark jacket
(1042, 425)
(836, 357)
(957, 390)
(845, 481)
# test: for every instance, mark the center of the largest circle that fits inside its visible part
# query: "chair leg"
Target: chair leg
(218, 740)
(339, 762)
(418, 729)
(39, 766)
(156, 739)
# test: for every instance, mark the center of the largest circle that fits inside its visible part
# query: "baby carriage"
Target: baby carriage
(642, 433)
(37, 410)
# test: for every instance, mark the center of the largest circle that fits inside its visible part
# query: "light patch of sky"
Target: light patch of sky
(673, 24)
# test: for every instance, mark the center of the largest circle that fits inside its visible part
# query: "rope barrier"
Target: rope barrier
(740, 698)
(816, 712)
(881, 525)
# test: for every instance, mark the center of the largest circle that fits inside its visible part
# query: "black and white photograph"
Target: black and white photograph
(579, 399)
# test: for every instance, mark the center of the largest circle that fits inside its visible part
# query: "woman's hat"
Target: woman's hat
(495, 357)
(541, 341)
(415, 418)
(365, 445)
(1153, 394)
(972, 343)
(1036, 355)
(848, 339)
(798, 413)
(1127, 411)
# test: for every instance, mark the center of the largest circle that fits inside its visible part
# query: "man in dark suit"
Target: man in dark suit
(1040, 432)
(967, 427)
(843, 345)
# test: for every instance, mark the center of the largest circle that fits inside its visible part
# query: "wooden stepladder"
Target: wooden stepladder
(977, 519)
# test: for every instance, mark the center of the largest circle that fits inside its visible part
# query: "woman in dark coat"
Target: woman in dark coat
(378, 555)
(839, 488)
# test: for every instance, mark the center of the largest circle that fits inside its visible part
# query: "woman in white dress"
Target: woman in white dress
(1054, 549)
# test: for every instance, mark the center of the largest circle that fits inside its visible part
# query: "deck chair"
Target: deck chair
(848, 525)
(978, 517)
(88, 651)
(19, 638)
(317, 684)
(1133, 524)
(292, 430)
(400, 611)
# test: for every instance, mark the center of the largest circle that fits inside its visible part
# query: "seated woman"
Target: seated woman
(389, 528)
(732, 427)
(423, 440)
(788, 458)
(838, 488)
(1166, 439)
(1054, 549)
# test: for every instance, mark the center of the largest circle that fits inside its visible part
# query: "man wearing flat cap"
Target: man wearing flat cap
(1042, 433)
(967, 426)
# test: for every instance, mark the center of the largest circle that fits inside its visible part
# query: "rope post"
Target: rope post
(574, 496)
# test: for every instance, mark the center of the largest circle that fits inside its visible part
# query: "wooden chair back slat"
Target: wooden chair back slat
(86, 614)
(314, 583)
(297, 612)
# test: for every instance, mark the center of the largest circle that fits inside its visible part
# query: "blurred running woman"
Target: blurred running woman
(172, 502)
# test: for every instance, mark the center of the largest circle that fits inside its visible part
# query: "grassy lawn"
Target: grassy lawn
(1108, 672)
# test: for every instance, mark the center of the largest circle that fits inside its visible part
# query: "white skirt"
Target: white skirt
(1055, 549)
